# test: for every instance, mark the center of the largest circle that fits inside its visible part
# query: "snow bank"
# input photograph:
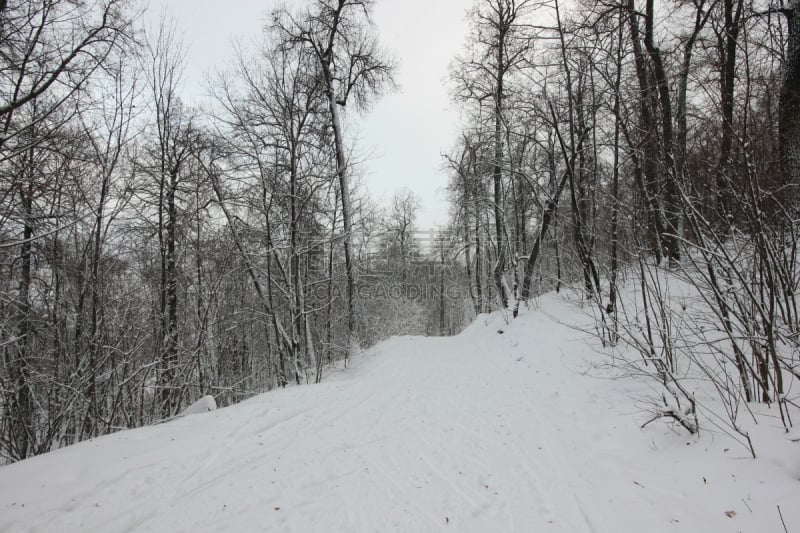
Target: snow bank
(203, 405)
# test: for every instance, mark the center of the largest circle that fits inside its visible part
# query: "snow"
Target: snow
(203, 405)
(519, 431)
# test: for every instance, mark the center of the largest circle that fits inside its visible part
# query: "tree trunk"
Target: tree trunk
(170, 350)
(672, 196)
(789, 120)
(94, 346)
(467, 248)
(330, 295)
(21, 410)
(648, 171)
(615, 206)
(727, 80)
(475, 191)
(344, 190)
(497, 172)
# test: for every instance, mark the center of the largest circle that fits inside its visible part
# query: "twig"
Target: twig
(782, 522)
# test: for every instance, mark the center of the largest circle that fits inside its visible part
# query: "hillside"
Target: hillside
(506, 427)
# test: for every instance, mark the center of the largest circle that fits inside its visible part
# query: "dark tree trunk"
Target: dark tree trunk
(467, 249)
(789, 120)
(672, 196)
(170, 350)
(648, 171)
(21, 410)
(615, 205)
(727, 80)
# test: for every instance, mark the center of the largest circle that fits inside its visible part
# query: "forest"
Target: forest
(609, 143)
(154, 252)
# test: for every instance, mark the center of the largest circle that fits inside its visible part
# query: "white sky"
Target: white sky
(404, 134)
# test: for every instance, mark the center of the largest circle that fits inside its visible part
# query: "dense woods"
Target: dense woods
(613, 141)
(154, 252)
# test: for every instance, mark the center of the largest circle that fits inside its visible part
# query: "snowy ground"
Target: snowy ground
(483, 432)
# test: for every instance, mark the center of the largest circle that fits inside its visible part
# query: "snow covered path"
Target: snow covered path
(482, 432)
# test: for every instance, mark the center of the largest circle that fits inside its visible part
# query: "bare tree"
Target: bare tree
(51, 44)
(399, 224)
(498, 49)
(352, 66)
(166, 167)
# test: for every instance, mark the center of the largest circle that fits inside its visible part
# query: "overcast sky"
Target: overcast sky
(403, 135)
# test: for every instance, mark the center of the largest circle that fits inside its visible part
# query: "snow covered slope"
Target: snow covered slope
(486, 431)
